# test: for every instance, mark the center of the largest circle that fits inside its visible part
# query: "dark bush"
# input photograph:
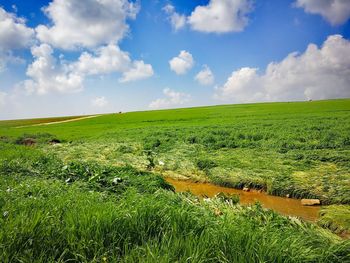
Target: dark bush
(125, 149)
(152, 144)
(192, 139)
(31, 139)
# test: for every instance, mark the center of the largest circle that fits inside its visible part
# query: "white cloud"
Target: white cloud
(205, 76)
(110, 59)
(14, 33)
(139, 70)
(88, 23)
(49, 75)
(182, 63)
(221, 16)
(336, 12)
(76, 24)
(99, 102)
(172, 98)
(106, 59)
(177, 21)
(243, 85)
(318, 73)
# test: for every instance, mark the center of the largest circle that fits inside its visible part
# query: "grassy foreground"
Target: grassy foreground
(96, 196)
(78, 212)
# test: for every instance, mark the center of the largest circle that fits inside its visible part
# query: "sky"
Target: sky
(73, 57)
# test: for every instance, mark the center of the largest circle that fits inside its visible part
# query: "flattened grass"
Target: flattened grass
(336, 218)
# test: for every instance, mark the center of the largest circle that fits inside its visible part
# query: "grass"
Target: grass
(48, 220)
(98, 197)
(301, 149)
(336, 218)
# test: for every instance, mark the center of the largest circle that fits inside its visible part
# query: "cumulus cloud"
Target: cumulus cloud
(205, 76)
(110, 59)
(177, 21)
(99, 102)
(172, 98)
(14, 34)
(47, 74)
(88, 23)
(244, 85)
(218, 16)
(182, 63)
(93, 24)
(221, 16)
(336, 12)
(318, 73)
(139, 70)
(105, 60)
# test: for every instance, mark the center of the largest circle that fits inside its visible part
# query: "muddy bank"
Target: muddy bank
(285, 206)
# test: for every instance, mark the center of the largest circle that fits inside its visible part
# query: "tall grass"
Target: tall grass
(44, 217)
(49, 221)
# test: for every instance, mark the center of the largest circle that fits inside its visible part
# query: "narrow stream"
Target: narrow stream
(282, 205)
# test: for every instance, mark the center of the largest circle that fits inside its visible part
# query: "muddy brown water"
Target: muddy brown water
(285, 206)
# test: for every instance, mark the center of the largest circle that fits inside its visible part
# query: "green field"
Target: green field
(99, 195)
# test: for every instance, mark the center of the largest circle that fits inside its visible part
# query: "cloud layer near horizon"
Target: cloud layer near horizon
(171, 99)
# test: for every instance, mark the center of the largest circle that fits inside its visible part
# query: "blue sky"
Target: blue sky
(235, 39)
